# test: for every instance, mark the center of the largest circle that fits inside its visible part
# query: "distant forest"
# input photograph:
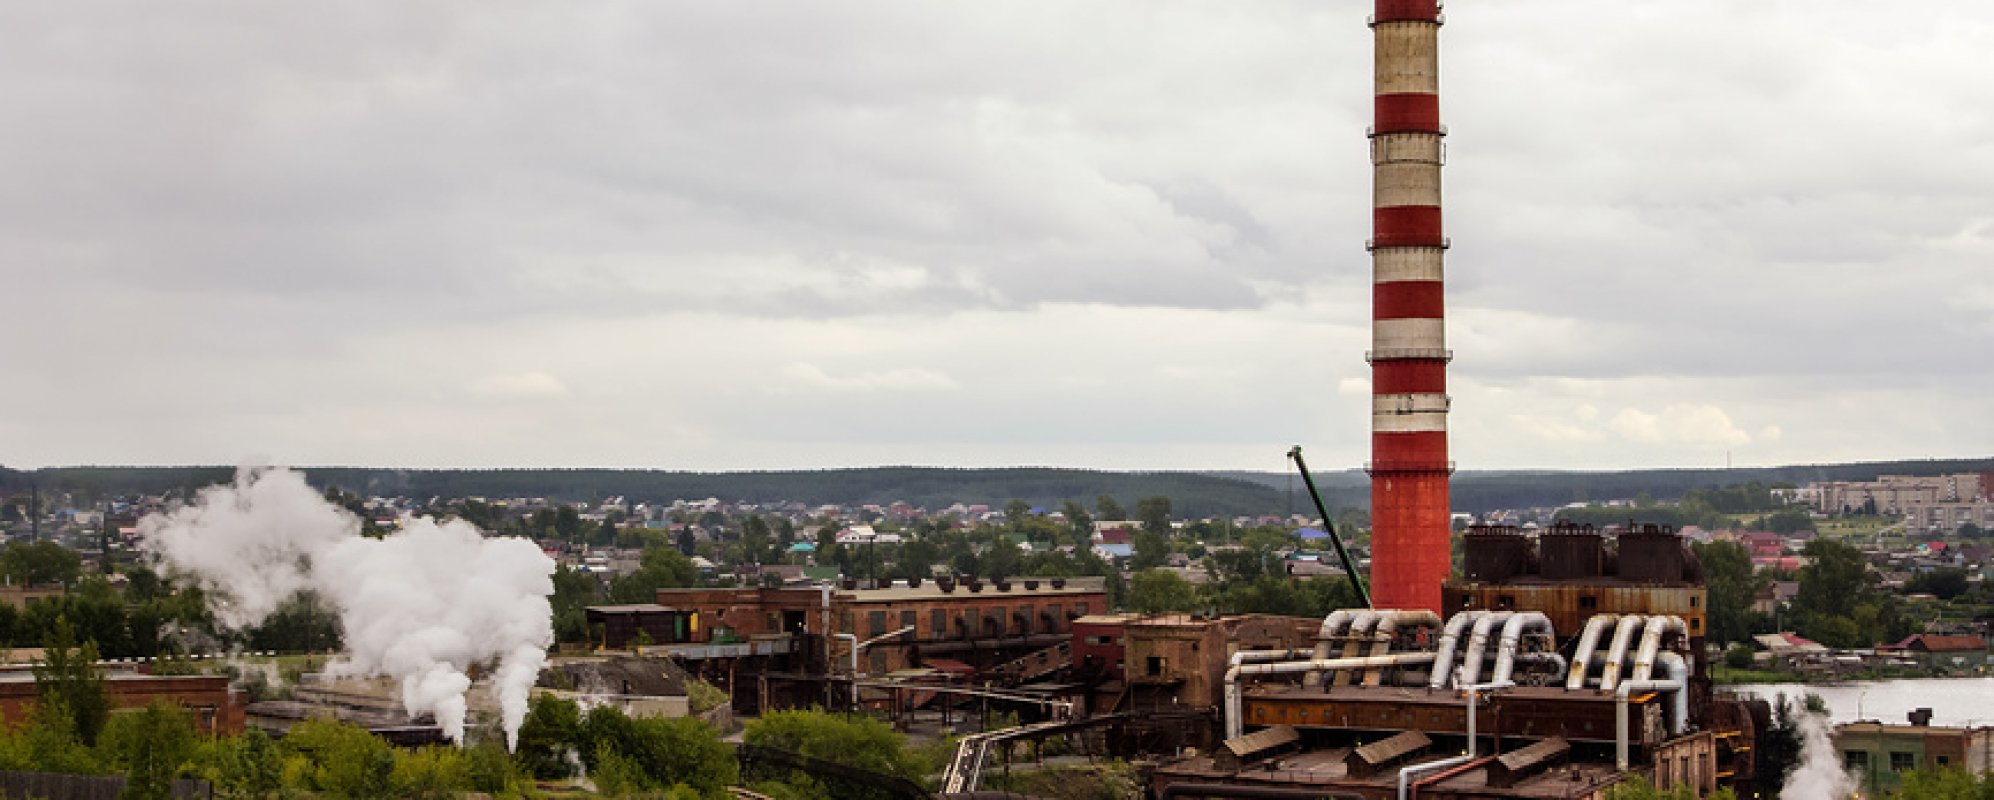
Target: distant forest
(1191, 494)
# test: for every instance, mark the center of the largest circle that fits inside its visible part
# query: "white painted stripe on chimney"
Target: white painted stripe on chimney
(1417, 422)
(1420, 333)
(1407, 58)
(1392, 264)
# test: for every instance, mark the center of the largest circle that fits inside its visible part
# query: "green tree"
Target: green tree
(662, 753)
(1154, 513)
(1106, 508)
(42, 562)
(1732, 585)
(1151, 550)
(1944, 583)
(1081, 523)
(1787, 521)
(246, 766)
(552, 730)
(1158, 591)
(344, 760)
(149, 746)
(1838, 604)
(567, 523)
(661, 568)
(917, 558)
(68, 678)
(853, 741)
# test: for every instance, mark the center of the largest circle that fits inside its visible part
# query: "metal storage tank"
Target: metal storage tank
(1568, 552)
(1652, 554)
(1494, 553)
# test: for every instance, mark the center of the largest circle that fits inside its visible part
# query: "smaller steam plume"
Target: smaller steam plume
(419, 606)
(1819, 775)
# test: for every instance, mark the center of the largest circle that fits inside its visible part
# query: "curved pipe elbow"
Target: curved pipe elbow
(1588, 642)
(1623, 636)
(1450, 640)
(1478, 644)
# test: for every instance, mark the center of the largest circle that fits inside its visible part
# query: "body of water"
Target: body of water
(1953, 701)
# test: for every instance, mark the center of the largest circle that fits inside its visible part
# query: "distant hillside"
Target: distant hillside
(1192, 494)
(1477, 491)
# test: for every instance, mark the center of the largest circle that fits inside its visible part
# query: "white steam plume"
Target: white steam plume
(420, 606)
(1819, 775)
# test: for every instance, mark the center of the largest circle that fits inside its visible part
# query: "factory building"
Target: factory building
(1496, 699)
(215, 709)
(972, 621)
(1878, 753)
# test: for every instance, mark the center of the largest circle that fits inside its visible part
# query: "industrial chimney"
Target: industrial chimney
(1409, 469)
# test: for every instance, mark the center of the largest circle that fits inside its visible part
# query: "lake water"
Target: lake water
(1953, 701)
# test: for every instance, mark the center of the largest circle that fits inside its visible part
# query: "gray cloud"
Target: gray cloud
(1125, 234)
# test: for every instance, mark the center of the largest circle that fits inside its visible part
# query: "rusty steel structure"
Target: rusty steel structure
(1409, 467)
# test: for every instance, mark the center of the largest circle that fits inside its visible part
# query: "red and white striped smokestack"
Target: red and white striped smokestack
(1410, 522)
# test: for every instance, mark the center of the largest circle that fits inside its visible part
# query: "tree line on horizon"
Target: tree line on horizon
(1196, 494)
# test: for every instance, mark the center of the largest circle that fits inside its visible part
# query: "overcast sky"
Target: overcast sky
(738, 235)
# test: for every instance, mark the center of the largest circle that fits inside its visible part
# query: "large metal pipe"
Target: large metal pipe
(1234, 725)
(1623, 633)
(1388, 625)
(1450, 638)
(1471, 664)
(1333, 626)
(1360, 629)
(1512, 639)
(1588, 642)
(1678, 682)
(1651, 643)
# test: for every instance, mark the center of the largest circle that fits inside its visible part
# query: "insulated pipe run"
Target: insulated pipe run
(1588, 642)
(1651, 643)
(1388, 623)
(1360, 628)
(1234, 724)
(1512, 639)
(1623, 633)
(1677, 682)
(1471, 664)
(1450, 639)
(1332, 626)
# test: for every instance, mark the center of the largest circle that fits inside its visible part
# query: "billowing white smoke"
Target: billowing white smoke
(420, 606)
(1819, 775)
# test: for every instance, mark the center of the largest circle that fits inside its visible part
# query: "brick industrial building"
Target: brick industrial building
(216, 710)
(972, 621)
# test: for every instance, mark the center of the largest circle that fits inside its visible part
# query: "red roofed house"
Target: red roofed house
(1953, 650)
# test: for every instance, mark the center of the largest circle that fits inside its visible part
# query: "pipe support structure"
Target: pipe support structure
(1333, 626)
